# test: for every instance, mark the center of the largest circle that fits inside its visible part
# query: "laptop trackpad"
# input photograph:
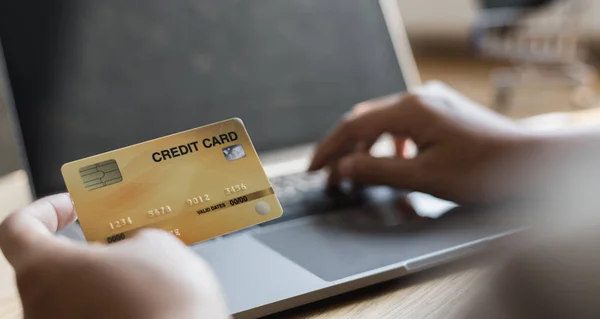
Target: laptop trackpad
(343, 244)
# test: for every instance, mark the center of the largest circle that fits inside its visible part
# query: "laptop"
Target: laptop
(85, 77)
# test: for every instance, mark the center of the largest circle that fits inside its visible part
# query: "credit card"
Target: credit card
(197, 184)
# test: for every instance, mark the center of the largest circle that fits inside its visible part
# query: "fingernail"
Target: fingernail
(345, 166)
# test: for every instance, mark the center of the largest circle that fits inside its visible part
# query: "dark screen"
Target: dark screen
(92, 76)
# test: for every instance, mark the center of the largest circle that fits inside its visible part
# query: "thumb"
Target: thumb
(366, 169)
(29, 233)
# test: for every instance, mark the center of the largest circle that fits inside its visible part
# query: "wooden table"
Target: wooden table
(434, 293)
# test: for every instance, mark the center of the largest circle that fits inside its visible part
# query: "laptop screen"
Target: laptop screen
(92, 76)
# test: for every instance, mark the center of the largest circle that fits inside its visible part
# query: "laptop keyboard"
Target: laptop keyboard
(304, 194)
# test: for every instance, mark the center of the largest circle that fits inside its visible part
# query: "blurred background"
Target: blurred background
(519, 57)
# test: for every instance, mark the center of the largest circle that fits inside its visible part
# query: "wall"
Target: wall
(452, 19)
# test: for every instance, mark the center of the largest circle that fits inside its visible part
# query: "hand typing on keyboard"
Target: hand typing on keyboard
(457, 142)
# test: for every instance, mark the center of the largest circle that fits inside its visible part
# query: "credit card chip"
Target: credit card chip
(100, 174)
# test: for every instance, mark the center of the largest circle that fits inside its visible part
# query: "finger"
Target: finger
(334, 178)
(365, 146)
(29, 232)
(393, 116)
(396, 172)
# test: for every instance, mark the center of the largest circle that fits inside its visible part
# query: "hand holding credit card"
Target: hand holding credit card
(197, 184)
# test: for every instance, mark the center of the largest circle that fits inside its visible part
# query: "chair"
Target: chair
(542, 41)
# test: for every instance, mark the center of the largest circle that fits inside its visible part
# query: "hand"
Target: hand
(152, 275)
(459, 143)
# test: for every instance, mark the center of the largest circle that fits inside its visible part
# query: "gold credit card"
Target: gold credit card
(197, 184)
